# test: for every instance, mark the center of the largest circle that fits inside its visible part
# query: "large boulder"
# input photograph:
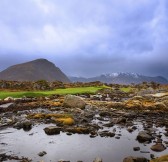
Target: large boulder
(74, 101)
(135, 159)
(144, 136)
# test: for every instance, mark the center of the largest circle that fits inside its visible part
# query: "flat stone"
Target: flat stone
(52, 130)
(158, 147)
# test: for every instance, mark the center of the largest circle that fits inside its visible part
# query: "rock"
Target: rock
(143, 136)
(132, 104)
(97, 160)
(63, 160)
(52, 130)
(160, 106)
(110, 124)
(135, 159)
(106, 134)
(88, 107)
(74, 101)
(105, 114)
(158, 147)
(115, 105)
(9, 99)
(108, 99)
(152, 156)
(136, 148)
(121, 120)
(8, 105)
(5, 120)
(79, 130)
(42, 153)
(27, 125)
(129, 129)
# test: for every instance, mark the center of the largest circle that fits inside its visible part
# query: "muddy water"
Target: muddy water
(75, 147)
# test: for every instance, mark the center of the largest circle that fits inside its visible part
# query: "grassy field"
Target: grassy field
(78, 90)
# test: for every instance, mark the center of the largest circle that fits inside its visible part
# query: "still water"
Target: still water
(75, 147)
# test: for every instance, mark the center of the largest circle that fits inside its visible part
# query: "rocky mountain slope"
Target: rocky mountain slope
(121, 78)
(40, 69)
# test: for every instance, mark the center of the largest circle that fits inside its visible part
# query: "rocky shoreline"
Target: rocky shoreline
(95, 115)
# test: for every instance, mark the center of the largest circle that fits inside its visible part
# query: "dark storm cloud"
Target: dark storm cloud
(86, 37)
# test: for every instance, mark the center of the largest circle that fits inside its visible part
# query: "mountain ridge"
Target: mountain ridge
(121, 78)
(39, 69)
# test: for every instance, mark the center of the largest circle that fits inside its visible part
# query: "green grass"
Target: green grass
(78, 90)
(127, 89)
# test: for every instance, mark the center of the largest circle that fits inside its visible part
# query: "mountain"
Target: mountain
(40, 69)
(121, 78)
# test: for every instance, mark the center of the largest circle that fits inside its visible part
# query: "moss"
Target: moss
(79, 130)
(65, 121)
(37, 116)
(47, 116)
(161, 159)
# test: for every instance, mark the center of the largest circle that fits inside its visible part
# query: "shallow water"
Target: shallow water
(75, 147)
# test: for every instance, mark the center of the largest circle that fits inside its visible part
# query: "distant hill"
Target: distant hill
(121, 78)
(40, 69)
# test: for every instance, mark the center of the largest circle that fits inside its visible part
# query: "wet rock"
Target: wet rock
(136, 148)
(135, 159)
(166, 134)
(63, 160)
(79, 130)
(6, 120)
(52, 130)
(74, 101)
(110, 124)
(129, 129)
(145, 152)
(121, 120)
(134, 127)
(106, 134)
(144, 136)
(27, 125)
(158, 147)
(105, 114)
(97, 159)
(152, 156)
(93, 136)
(42, 153)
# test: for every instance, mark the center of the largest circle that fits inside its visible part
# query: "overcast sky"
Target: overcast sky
(87, 37)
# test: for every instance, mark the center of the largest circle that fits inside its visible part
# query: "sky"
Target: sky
(87, 37)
